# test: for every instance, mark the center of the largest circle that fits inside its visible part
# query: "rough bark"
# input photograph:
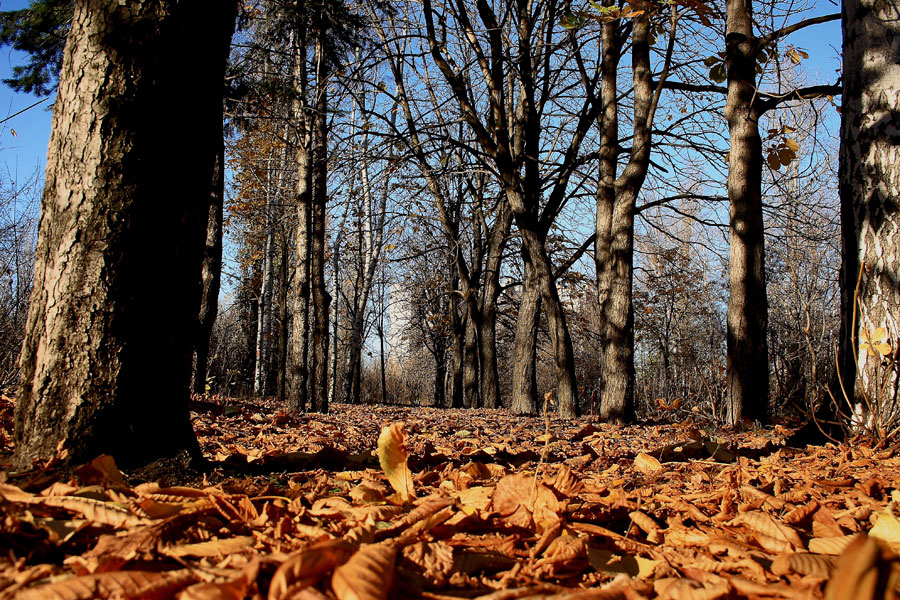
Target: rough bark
(106, 363)
(487, 330)
(210, 275)
(298, 379)
(318, 389)
(616, 202)
(524, 377)
(747, 369)
(470, 363)
(870, 211)
(454, 380)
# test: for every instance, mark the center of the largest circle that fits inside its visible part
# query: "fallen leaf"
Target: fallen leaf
(368, 574)
(393, 456)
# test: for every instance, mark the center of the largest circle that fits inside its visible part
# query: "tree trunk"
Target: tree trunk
(487, 330)
(283, 319)
(470, 364)
(106, 362)
(210, 275)
(266, 307)
(747, 370)
(524, 377)
(321, 298)
(440, 374)
(563, 354)
(457, 340)
(298, 379)
(870, 211)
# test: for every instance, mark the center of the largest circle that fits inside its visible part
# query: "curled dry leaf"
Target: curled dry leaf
(367, 575)
(831, 545)
(647, 464)
(802, 563)
(864, 572)
(764, 524)
(393, 456)
(143, 585)
(212, 548)
(524, 502)
(304, 568)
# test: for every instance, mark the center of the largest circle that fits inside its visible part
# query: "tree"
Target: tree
(869, 176)
(747, 368)
(616, 203)
(39, 30)
(107, 355)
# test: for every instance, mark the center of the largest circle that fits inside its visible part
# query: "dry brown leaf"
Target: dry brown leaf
(686, 589)
(212, 548)
(475, 498)
(831, 545)
(765, 524)
(393, 456)
(137, 585)
(304, 568)
(102, 471)
(802, 563)
(864, 572)
(524, 502)
(368, 574)
(647, 464)
(434, 558)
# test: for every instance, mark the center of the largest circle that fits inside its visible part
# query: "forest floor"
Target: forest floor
(492, 506)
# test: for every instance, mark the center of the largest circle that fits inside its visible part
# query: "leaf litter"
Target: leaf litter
(386, 502)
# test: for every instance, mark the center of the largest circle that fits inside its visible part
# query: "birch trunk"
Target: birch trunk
(870, 212)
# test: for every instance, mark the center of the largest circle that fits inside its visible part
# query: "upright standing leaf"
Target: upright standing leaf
(393, 455)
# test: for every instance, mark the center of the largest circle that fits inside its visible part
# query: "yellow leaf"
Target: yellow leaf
(393, 456)
(886, 528)
(647, 464)
(883, 349)
(792, 144)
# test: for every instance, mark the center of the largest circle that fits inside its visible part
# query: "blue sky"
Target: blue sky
(27, 149)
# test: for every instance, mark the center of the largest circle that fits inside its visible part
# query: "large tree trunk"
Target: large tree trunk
(106, 362)
(298, 378)
(487, 330)
(563, 354)
(321, 297)
(210, 275)
(524, 377)
(870, 211)
(747, 370)
(616, 206)
(616, 354)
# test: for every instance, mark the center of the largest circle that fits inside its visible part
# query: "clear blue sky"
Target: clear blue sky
(27, 149)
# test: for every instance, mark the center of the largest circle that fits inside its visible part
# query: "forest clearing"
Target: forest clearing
(497, 507)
